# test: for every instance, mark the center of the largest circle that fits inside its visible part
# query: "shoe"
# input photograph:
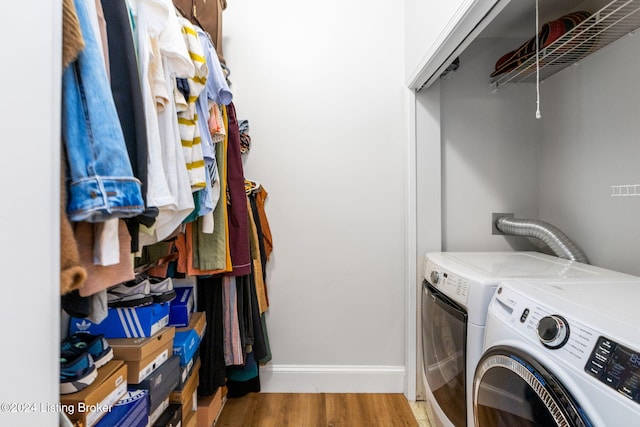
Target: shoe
(162, 289)
(77, 371)
(134, 293)
(96, 345)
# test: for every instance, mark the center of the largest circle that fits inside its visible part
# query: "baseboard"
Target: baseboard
(332, 379)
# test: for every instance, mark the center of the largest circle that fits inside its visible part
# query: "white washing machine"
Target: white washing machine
(560, 354)
(456, 293)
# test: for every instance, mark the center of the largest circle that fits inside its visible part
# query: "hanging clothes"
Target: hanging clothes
(102, 185)
(238, 213)
(212, 369)
(72, 273)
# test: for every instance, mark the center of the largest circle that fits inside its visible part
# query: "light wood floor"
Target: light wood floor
(317, 410)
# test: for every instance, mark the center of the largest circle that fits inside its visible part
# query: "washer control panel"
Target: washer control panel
(451, 284)
(616, 366)
(570, 341)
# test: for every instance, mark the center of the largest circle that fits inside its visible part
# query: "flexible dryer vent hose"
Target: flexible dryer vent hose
(557, 241)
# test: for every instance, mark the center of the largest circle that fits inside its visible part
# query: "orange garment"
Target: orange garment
(261, 196)
(261, 287)
(185, 255)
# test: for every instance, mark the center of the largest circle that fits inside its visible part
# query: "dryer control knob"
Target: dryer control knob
(435, 277)
(553, 331)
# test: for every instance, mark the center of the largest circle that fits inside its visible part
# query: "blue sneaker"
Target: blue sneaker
(96, 345)
(77, 371)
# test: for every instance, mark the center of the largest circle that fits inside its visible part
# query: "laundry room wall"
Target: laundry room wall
(490, 152)
(321, 84)
(589, 144)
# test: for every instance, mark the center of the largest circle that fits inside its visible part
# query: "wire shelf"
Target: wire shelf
(625, 190)
(615, 20)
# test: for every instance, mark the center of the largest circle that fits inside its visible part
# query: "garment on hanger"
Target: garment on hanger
(212, 369)
(233, 351)
(102, 184)
(72, 274)
(127, 94)
(187, 117)
(207, 15)
(238, 214)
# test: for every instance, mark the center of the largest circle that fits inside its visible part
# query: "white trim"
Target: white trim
(411, 336)
(332, 378)
(464, 26)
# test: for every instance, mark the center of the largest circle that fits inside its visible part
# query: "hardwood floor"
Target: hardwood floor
(317, 410)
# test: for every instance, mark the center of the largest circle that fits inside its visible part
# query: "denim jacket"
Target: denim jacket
(102, 185)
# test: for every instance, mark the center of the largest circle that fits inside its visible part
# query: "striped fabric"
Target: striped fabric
(187, 117)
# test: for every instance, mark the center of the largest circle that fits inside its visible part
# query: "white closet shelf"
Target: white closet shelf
(616, 19)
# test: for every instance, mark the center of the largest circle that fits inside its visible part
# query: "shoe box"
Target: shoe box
(191, 420)
(160, 384)
(209, 407)
(185, 371)
(185, 344)
(171, 417)
(92, 403)
(133, 322)
(181, 307)
(132, 410)
(187, 397)
(144, 355)
(187, 339)
(198, 323)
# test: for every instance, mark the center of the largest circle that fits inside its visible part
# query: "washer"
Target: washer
(560, 354)
(457, 289)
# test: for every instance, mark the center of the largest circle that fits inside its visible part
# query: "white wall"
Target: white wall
(490, 152)
(29, 159)
(321, 84)
(590, 142)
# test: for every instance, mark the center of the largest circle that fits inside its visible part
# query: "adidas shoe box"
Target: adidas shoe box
(144, 355)
(185, 344)
(181, 307)
(89, 405)
(160, 384)
(134, 322)
(132, 410)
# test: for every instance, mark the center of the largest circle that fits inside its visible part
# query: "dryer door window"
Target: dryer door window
(444, 333)
(511, 389)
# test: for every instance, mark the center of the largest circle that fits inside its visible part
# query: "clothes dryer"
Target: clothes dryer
(560, 353)
(457, 289)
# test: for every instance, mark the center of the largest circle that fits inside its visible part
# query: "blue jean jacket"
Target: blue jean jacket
(102, 185)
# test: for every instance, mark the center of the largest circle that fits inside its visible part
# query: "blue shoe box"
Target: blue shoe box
(135, 322)
(181, 307)
(185, 344)
(132, 410)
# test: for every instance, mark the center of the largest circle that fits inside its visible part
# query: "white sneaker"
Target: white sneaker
(162, 289)
(135, 293)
